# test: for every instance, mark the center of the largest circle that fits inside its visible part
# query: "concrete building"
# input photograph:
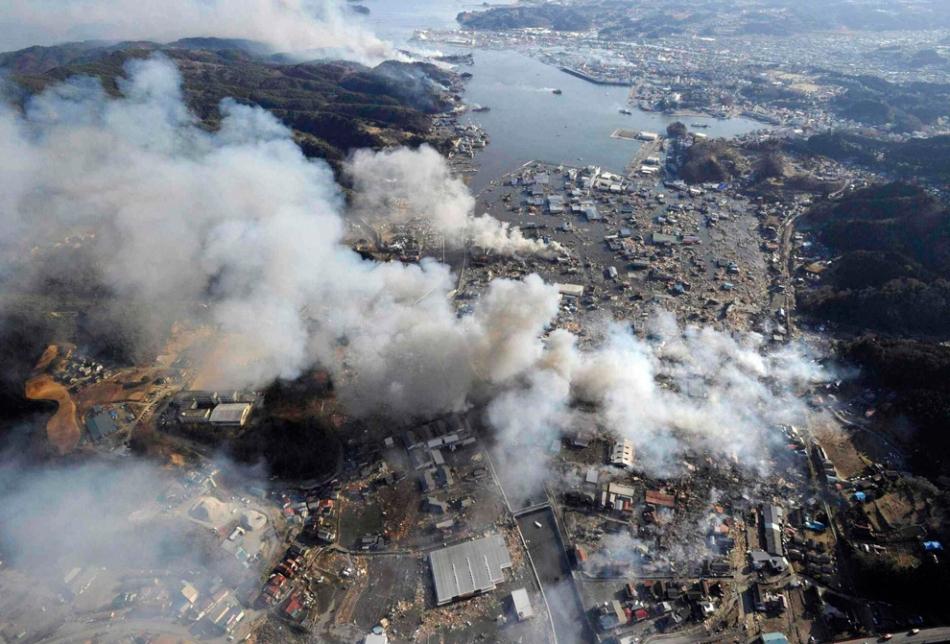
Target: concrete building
(468, 569)
(622, 453)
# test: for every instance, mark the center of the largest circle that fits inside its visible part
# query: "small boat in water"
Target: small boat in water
(480, 108)
(624, 110)
(556, 92)
(700, 125)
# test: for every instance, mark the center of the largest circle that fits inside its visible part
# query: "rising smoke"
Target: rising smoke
(404, 185)
(237, 228)
(94, 514)
(682, 391)
(319, 27)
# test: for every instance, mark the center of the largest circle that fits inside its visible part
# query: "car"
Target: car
(914, 631)
(886, 636)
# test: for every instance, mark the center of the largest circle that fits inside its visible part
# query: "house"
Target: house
(618, 497)
(761, 560)
(436, 478)
(660, 499)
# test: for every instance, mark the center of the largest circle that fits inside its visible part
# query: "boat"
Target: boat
(624, 110)
(700, 125)
(480, 108)
(556, 92)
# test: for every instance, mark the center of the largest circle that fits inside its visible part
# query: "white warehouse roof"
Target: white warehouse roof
(230, 414)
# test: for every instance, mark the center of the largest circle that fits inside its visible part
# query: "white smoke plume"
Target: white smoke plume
(685, 390)
(121, 522)
(401, 185)
(319, 26)
(237, 228)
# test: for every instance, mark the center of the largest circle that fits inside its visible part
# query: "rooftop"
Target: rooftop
(469, 568)
(230, 413)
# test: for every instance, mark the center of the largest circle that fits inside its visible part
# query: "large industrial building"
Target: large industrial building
(468, 569)
(230, 415)
(216, 410)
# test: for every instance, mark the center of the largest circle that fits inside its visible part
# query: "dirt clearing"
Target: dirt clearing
(62, 430)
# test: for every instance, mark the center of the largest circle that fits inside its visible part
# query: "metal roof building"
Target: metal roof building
(469, 568)
(230, 414)
(772, 525)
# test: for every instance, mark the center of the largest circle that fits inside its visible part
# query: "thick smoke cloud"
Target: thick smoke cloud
(403, 185)
(105, 514)
(238, 229)
(235, 228)
(286, 25)
(692, 390)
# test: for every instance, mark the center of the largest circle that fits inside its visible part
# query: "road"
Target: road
(925, 636)
(553, 570)
(788, 228)
(114, 631)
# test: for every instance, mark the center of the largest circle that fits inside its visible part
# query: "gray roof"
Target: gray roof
(230, 413)
(522, 603)
(772, 520)
(100, 425)
(469, 568)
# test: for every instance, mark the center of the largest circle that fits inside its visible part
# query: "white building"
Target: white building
(622, 453)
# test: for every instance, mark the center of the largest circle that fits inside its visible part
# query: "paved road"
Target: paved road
(925, 636)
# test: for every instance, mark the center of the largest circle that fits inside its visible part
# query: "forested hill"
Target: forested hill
(892, 272)
(332, 106)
